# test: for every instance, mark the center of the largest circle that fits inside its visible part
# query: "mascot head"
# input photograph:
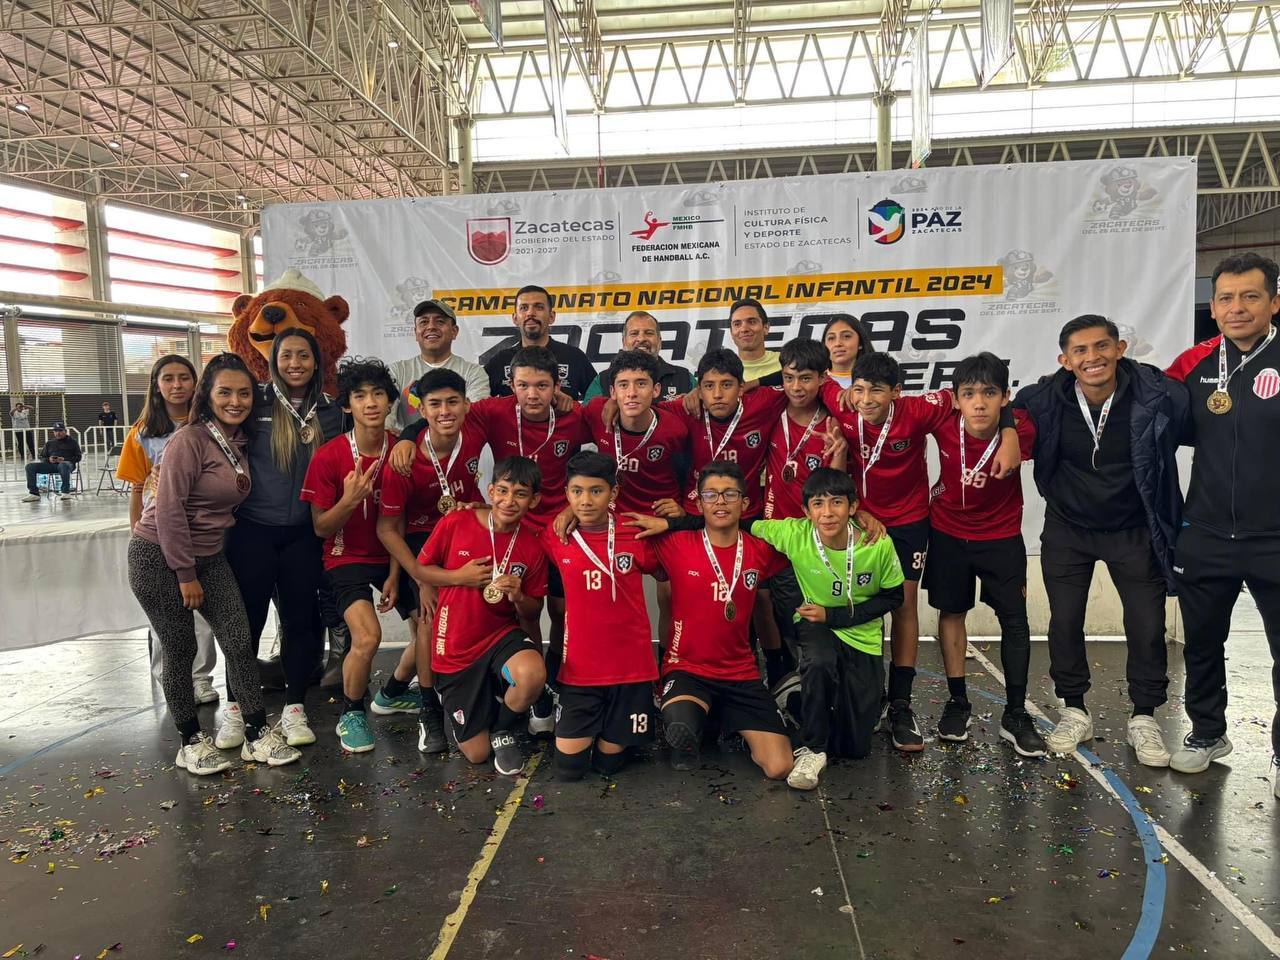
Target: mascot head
(291, 301)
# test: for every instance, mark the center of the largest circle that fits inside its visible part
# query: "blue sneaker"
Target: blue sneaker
(354, 733)
(408, 702)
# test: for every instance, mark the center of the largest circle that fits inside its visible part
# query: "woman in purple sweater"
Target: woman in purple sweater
(177, 565)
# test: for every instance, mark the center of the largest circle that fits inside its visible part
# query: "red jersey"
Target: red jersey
(357, 541)
(647, 468)
(896, 487)
(985, 508)
(416, 495)
(702, 642)
(782, 497)
(494, 418)
(466, 626)
(747, 445)
(607, 636)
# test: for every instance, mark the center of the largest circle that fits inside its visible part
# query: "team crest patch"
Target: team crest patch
(1266, 384)
(518, 569)
(750, 577)
(812, 461)
(753, 439)
(625, 562)
(899, 445)
(654, 454)
(459, 717)
(564, 372)
(562, 447)
(473, 465)
(667, 687)
(864, 579)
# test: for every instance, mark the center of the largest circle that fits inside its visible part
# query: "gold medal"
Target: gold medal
(307, 434)
(730, 611)
(492, 594)
(445, 504)
(1219, 402)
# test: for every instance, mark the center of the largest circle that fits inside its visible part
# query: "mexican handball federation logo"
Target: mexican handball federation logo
(489, 239)
(886, 221)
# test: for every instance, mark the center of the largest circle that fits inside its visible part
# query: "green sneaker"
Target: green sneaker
(353, 732)
(408, 702)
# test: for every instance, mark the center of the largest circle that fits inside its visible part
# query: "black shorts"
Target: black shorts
(471, 697)
(353, 582)
(953, 564)
(622, 713)
(555, 585)
(739, 704)
(911, 543)
(407, 600)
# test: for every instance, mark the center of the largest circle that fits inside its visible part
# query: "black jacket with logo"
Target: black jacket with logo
(1237, 458)
(1157, 419)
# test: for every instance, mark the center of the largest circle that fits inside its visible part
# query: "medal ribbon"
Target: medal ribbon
(608, 571)
(617, 437)
(728, 588)
(1088, 419)
(982, 462)
(786, 435)
(848, 561)
(226, 449)
(284, 402)
(551, 428)
(500, 569)
(869, 460)
(1223, 377)
(724, 441)
(442, 473)
(355, 461)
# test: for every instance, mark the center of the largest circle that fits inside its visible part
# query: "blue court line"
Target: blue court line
(1143, 941)
(23, 761)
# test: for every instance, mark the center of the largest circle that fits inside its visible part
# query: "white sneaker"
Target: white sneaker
(1196, 753)
(231, 730)
(64, 496)
(1148, 742)
(201, 757)
(809, 765)
(270, 749)
(1075, 727)
(293, 722)
(31, 498)
(204, 691)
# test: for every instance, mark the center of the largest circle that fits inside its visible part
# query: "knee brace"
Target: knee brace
(608, 763)
(684, 721)
(572, 766)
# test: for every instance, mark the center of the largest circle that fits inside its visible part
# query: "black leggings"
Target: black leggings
(284, 561)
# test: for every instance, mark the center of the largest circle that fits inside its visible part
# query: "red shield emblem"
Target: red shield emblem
(489, 239)
(1267, 383)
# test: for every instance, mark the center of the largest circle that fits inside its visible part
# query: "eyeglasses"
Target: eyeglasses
(729, 496)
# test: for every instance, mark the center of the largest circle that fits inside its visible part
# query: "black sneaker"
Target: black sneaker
(507, 758)
(431, 726)
(954, 724)
(903, 727)
(1019, 729)
(685, 746)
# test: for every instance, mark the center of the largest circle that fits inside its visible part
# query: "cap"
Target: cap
(59, 425)
(434, 306)
(291, 279)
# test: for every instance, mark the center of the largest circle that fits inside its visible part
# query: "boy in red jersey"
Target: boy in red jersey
(709, 663)
(888, 434)
(442, 477)
(607, 674)
(490, 574)
(343, 485)
(976, 521)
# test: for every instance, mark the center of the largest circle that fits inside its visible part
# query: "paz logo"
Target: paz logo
(886, 222)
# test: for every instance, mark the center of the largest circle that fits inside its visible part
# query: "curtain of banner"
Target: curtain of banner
(921, 93)
(555, 71)
(997, 37)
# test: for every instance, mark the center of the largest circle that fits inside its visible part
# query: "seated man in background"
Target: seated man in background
(59, 455)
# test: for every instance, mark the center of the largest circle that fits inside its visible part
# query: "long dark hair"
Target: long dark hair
(154, 421)
(865, 345)
(284, 429)
(201, 408)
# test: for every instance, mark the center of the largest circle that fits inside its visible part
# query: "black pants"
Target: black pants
(785, 593)
(1210, 570)
(840, 690)
(284, 561)
(1068, 555)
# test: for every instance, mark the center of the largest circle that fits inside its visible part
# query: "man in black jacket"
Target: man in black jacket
(1232, 536)
(640, 332)
(1107, 432)
(534, 314)
(59, 455)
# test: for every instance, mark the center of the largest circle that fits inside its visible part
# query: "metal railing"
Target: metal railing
(20, 447)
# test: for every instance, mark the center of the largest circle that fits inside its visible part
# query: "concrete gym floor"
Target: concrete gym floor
(962, 851)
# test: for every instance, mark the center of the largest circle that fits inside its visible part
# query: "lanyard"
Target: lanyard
(724, 441)
(1088, 419)
(726, 588)
(871, 457)
(848, 561)
(617, 438)
(966, 476)
(355, 461)
(551, 428)
(442, 473)
(493, 594)
(242, 478)
(608, 571)
(1223, 377)
(305, 432)
(790, 466)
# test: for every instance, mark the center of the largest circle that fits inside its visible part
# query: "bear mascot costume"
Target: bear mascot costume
(295, 301)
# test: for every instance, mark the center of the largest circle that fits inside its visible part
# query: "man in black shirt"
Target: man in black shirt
(59, 455)
(107, 418)
(1107, 431)
(640, 332)
(534, 315)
